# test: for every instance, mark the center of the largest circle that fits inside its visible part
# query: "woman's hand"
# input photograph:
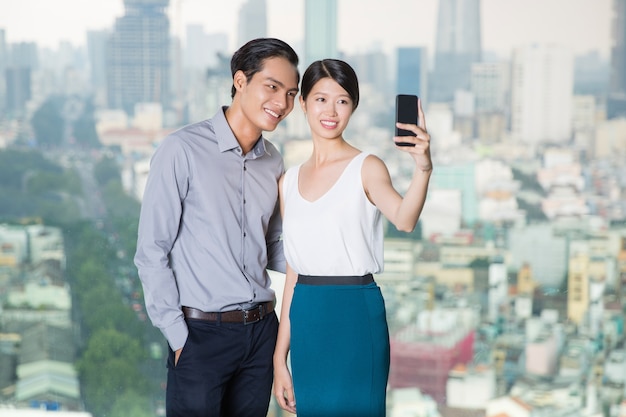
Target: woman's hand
(421, 149)
(283, 388)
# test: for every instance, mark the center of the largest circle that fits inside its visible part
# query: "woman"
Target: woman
(333, 314)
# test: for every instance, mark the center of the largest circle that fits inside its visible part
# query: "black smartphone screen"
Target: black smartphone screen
(406, 112)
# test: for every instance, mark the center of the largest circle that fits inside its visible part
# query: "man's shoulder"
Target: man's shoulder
(202, 126)
(190, 132)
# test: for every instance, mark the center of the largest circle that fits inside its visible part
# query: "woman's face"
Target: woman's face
(328, 108)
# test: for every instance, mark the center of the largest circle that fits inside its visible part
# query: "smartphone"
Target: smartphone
(406, 112)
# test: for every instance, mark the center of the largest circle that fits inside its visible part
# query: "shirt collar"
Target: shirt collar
(226, 139)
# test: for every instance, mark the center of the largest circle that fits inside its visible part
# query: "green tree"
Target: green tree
(66, 181)
(131, 404)
(109, 368)
(107, 311)
(18, 166)
(107, 169)
(85, 128)
(33, 186)
(118, 202)
(48, 123)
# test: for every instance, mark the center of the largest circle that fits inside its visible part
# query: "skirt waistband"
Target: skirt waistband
(335, 280)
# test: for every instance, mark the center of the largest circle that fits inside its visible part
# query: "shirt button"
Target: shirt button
(245, 169)
(244, 234)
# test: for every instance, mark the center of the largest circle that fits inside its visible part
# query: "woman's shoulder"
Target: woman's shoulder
(373, 167)
(289, 174)
(371, 159)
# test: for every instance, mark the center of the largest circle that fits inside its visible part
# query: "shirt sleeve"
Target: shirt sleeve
(159, 222)
(275, 253)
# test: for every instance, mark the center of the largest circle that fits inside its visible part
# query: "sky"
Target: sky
(580, 25)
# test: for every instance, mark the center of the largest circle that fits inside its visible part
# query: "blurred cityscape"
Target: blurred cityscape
(508, 300)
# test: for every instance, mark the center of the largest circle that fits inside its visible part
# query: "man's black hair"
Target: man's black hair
(251, 56)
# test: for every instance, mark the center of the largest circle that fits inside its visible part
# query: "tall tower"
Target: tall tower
(4, 58)
(372, 69)
(138, 56)
(202, 49)
(542, 88)
(320, 30)
(22, 62)
(412, 67)
(616, 105)
(252, 21)
(96, 48)
(458, 46)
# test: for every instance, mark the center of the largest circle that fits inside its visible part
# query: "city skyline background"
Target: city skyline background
(510, 295)
(581, 25)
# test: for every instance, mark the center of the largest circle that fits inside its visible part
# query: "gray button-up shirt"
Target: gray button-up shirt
(209, 225)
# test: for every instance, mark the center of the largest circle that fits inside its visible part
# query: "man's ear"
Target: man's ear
(239, 80)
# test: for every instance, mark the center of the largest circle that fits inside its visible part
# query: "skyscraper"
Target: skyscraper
(22, 62)
(320, 30)
(458, 46)
(371, 68)
(542, 88)
(96, 49)
(202, 49)
(252, 21)
(138, 56)
(4, 58)
(616, 105)
(18, 89)
(412, 72)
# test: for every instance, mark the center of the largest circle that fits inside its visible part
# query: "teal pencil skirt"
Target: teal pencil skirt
(339, 347)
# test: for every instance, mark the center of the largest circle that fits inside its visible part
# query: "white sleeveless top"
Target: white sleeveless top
(340, 233)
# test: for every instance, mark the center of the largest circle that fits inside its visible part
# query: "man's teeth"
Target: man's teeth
(273, 113)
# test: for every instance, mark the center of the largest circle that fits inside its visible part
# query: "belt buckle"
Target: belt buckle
(249, 317)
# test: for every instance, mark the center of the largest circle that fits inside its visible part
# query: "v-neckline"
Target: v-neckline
(325, 193)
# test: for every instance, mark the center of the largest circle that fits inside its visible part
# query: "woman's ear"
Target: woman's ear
(302, 104)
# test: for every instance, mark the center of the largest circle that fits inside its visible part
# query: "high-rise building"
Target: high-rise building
(138, 56)
(202, 49)
(371, 68)
(490, 83)
(96, 50)
(320, 30)
(4, 57)
(587, 274)
(252, 21)
(542, 88)
(490, 86)
(616, 105)
(24, 55)
(18, 89)
(412, 72)
(22, 61)
(621, 266)
(458, 46)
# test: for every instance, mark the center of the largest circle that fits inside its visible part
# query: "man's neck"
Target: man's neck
(245, 132)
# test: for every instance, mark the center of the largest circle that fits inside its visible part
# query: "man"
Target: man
(209, 229)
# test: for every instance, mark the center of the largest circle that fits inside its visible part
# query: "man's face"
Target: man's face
(268, 97)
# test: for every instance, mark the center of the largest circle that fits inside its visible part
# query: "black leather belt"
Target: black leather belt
(249, 316)
(335, 280)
